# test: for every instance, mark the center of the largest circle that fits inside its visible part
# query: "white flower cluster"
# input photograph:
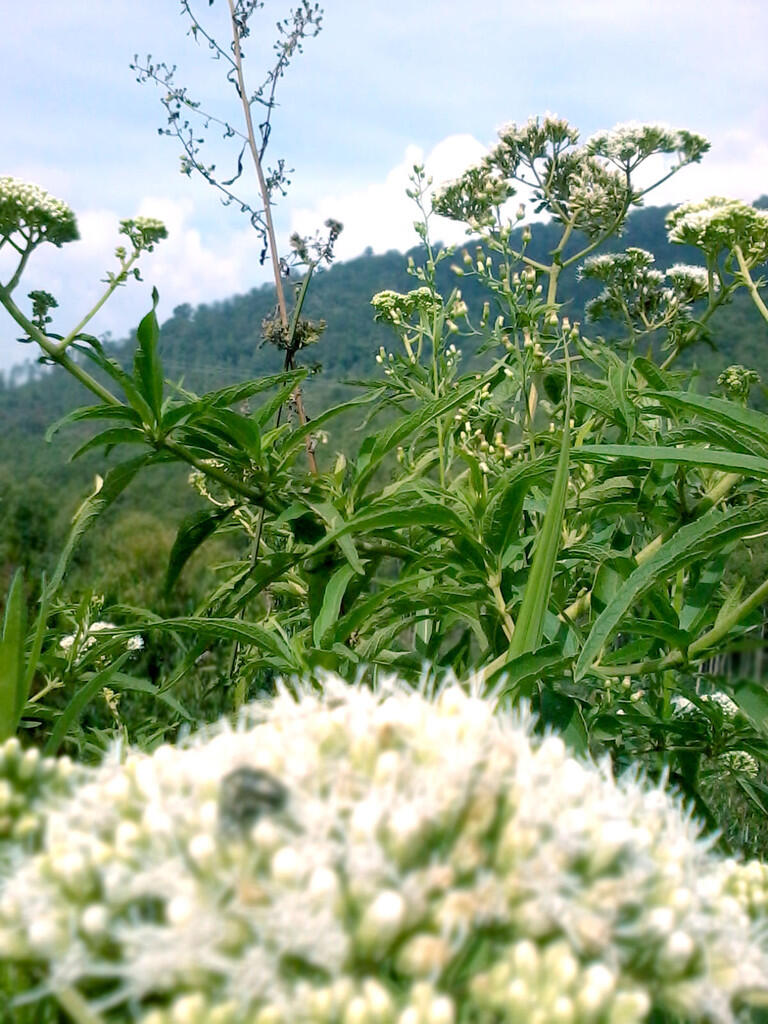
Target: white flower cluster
(381, 858)
(739, 761)
(532, 139)
(27, 781)
(690, 281)
(747, 883)
(717, 224)
(34, 213)
(475, 197)
(144, 232)
(636, 289)
(631, 142)
(721, 700)
(85, 639)
(397, 308)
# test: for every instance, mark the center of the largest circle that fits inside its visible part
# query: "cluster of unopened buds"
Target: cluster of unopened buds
(491, 455)
(387, 360)
(738, 380)
(452, 355)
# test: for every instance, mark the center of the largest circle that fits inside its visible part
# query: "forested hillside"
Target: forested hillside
(216, 344)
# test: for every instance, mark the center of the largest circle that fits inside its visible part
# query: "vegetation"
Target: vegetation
(540, 495)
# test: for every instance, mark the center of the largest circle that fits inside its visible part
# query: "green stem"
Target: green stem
(114, 284)
(52, 350)
(714, 495)
(73, 1003)
(557, 266)
(699, 649)
(749, 283)
(257, 496)
(25, 254)
(714, 303)
(494, 585)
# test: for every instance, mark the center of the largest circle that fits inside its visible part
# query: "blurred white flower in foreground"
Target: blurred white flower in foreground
(377, 857)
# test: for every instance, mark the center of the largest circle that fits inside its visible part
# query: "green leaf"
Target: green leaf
(13, 695)
(332, 598)
(94, 412)
(96, 353)
(247, 633)
(709, 534)
(38, 636)
(699, 597)
(241, 431)
(297, 438)
(501, 522)
(121, 681)
(656, 377)
(110, 437)
(717, 410)
(733, 462)
(564, 715)
(269, 409)
(147, 372)
(530, 619)
(520, 675)
(234, 393)
(193, 531)
(752, 699)
(428, 412)
(339, 532)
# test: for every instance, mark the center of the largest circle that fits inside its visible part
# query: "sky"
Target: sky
(384, 85)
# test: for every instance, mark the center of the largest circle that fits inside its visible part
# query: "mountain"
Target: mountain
(220, 343)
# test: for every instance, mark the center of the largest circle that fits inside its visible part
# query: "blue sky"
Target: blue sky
(383, 85)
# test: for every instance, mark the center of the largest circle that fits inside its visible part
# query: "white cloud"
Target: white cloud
(380, 214)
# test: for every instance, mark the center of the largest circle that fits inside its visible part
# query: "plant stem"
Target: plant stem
(698, 647)
(25, 254)
(715, 494)
(52, 350)
(73, 1003)
(114, 284)
(749, 283)
(507, 624)
(268, 221)
(257, 496)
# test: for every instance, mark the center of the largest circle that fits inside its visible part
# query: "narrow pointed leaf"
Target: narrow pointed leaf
(717, 410)
(94, 412)
(85, 694)
(530, 619)
(114, 484)
(146, 364)
(193, 531)
(12, 694)
(733, 462)
(109, 438)
(329, 609)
